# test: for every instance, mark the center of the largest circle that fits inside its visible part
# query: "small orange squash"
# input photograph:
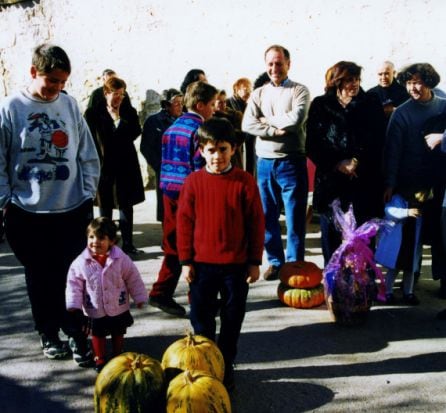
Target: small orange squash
(193, 352)
(301, 297)
(300, 274)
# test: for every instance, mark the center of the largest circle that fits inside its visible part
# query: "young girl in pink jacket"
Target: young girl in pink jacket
(100, 282)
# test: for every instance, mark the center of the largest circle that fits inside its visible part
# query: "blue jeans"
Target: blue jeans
(230, 282)
(125, 223)
(284, 182)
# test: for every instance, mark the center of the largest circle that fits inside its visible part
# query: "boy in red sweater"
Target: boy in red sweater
(220, 234)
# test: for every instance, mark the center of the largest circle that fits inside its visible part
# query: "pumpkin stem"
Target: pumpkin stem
(190, 339)
(189, 379)
(137, 363)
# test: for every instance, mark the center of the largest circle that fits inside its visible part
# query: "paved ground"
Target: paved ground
(289, 360)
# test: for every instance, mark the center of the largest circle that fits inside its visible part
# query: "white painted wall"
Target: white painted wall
(152, 44)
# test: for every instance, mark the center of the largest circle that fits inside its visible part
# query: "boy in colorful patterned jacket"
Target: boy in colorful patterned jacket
(220, 234)
(180, 157)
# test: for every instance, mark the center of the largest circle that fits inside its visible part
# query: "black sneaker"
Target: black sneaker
(99, 366)
(132, 250)
(410, 299)
(53, 347)
(228, 380)
(272, 273)
(390, 299)
(168, 305)
(441, 315)
(82, 353)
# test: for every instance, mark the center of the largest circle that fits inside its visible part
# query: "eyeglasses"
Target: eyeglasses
(118, 95)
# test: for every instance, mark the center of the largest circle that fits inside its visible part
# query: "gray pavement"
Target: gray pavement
(289, 360)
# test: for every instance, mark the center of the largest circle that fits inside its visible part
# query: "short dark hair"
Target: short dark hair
(261, 80)
(191, 76)
(340, 72)
(278, 48)
(216, 130)
(427, 73)
(106, 72)
(47, 57)
(103, 227)
(199, 92)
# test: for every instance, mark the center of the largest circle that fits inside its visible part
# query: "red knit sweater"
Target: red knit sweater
(220, 219)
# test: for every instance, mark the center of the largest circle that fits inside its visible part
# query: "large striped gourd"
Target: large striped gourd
(196, 391)
(130, 382)
(193, 352)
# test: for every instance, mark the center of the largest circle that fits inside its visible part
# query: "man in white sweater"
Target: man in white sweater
(276, 115)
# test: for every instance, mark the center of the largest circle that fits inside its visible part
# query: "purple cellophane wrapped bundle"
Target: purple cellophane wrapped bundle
(350, 275)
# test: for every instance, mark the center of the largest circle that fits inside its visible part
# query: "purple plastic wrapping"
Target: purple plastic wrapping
(350, 275)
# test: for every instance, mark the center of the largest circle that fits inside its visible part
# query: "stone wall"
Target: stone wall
(152, 44)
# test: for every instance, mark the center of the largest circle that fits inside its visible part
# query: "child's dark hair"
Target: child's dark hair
(216, 130)
(199, 92)
(103, 227)
(48, 57)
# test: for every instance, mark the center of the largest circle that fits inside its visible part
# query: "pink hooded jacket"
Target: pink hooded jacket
(102, 291)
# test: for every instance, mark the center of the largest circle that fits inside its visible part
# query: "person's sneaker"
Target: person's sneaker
(99, 364)
(441, 315)
(132, 250)
(228, 379)
(410, 299)
(82, 354)
(272, 273)
(442, 290)
(168, 305)
(53, 347)
(390, 299)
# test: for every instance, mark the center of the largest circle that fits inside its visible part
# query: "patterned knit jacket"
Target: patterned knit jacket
(180, 155)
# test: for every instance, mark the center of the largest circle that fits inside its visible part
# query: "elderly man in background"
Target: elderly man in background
(390, 92)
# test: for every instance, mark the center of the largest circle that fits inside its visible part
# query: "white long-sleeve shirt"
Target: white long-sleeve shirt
(48, 160)
(283, 107)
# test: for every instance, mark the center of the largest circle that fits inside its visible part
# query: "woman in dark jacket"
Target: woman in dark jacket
(345, 137)
(114, 129)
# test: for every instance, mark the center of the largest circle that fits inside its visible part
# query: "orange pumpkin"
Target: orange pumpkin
(301, 297)
(300, 274)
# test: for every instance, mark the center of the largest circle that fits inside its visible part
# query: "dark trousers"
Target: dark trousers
(46, 245)
(125, 222)
(170, 270)
(230, 282)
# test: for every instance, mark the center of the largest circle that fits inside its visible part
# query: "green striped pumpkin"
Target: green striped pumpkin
(301, 297)
(193, 352)
(129, 383)
(196, 391)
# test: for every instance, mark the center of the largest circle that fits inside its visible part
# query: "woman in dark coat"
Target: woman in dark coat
(114, 129)
(345, 137)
